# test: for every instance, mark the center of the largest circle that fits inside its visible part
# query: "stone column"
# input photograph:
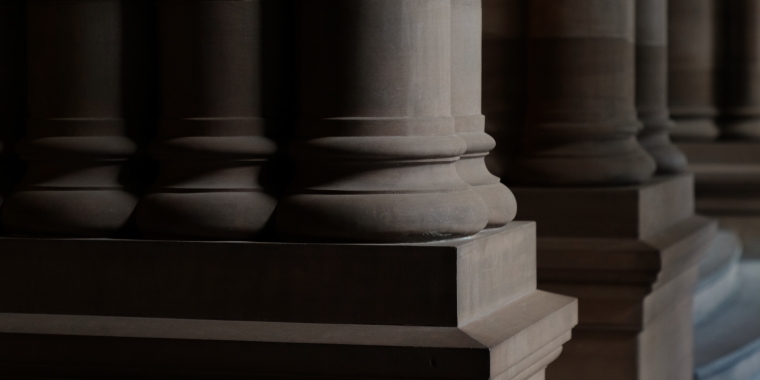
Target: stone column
(629, 253)
(213, 143)
(742, 103)
(466, 89)
(12, 89)
(505, 70)
(691, 68)
(76, 141)
(581, 123)
(652, 85)
(377, 146)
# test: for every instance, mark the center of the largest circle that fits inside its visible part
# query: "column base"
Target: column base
(465, 309)
(630, 254)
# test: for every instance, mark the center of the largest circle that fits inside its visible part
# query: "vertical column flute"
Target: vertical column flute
(76, 141)
(466, 93)
(582, 124)
(652, 85)
(377, 145)
(212, 144)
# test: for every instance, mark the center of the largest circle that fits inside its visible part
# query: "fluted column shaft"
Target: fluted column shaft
(212, 143)
(582, 124)
(377, 145)
(742, 102)
(76, 140)
(691, 68)
(652, 85)
(466, 93)
(504, 78)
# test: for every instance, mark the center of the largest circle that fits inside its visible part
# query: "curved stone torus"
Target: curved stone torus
(76, 140)
(742, 104)
(691, 68)
(581, 123)
(377, 147)
(652, 85)
(212, 142)
(466, 89)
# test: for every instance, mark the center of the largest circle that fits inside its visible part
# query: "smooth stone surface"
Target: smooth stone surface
(446, 283)
(466, 308)
(581, 122)
(466, 89)
(727, 345)
(718, 275)
(692, 68)
(219, 112)
(634, 270)
(77, 139)
(377, 146)
(740, 110)
(727, 183)
(608, 212)
(514, 342)
(652, 85)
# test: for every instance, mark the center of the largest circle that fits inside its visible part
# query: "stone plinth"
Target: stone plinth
(728, 186)
(465, 309)
(630, 254)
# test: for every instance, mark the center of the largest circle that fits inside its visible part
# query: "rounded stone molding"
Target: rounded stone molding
(652, 86)
(581, 120)
(213, 142)
(466, 89)
(377, 147)
(76, 142)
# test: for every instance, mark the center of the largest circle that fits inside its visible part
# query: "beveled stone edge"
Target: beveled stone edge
(530, 317)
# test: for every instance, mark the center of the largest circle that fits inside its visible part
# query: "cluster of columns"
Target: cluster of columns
(304, 137)
(385, 131)
(585, 91)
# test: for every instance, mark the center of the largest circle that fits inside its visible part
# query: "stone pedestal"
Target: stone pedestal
(464, 309)
(728, 186)
(630, 254)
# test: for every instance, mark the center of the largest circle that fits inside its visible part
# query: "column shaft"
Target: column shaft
(742, 103)
(691, 68)
(377, 145)
(213, 139)
(504, 78)
(76, 141)
(466, 93)
(12, 89)
(652, 85)
(581, 123)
